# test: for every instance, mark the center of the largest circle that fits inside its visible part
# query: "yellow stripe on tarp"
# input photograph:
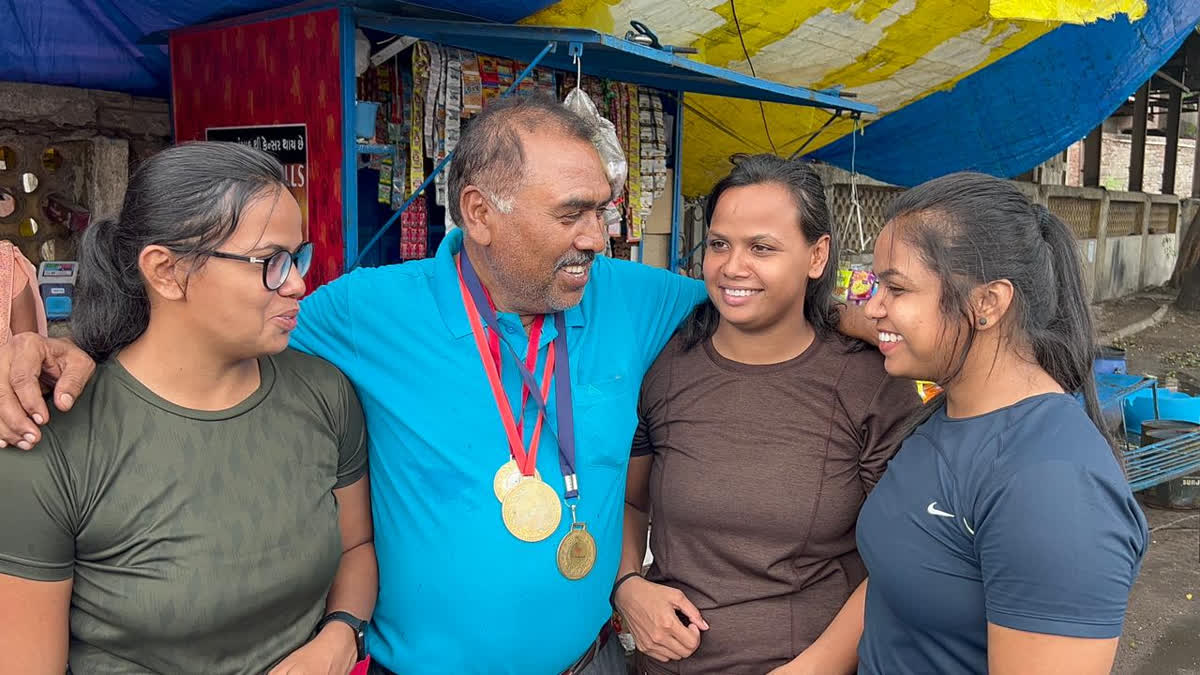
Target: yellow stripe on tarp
(1067, 11)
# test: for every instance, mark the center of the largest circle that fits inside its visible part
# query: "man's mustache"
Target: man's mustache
(576, 258)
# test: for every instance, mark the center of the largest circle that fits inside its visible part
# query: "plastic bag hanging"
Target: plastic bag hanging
(604, 137)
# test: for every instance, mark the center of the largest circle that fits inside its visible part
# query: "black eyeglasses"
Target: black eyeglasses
(278, 265)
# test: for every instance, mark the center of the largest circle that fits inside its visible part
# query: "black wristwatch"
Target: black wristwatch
(354, 622)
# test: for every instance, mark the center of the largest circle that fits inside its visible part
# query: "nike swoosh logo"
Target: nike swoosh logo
(933, 510)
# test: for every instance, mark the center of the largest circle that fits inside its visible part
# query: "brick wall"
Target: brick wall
(1114, 164)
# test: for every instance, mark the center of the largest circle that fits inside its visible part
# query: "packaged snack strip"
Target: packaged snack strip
(453, 119)
(416, 116)
(396, 109)
(416, 149)
(841, 288)
(504, 70)
(635, 170)
(420, 75)
(490, 77)
(862, 285)
(436, 69)
(472, 85)
(546, 81)
(385, 180)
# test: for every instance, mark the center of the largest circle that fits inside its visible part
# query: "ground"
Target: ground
(1162, 628)
(1169, 350)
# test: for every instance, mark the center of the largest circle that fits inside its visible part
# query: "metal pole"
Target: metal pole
(677, 203)
(1196, 166)
(550, 47)
(1173, 81)
(349, 141)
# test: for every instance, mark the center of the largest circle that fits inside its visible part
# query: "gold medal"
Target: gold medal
(531, 510)
(577, 553)
(507, 477)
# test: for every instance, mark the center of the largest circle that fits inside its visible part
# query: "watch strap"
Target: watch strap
(359, 626)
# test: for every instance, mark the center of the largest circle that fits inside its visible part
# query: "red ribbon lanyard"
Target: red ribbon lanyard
(535, 334)
(526, 461)
(531, 355)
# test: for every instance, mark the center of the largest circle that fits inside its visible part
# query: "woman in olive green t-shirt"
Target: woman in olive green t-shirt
(203, 507)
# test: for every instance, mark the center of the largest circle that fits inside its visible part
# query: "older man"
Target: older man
(469, 583)
(500, 401)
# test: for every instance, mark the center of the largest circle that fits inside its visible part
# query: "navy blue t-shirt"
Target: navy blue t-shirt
(1020, 517)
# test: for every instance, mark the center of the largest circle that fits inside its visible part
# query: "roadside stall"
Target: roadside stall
(373, 193)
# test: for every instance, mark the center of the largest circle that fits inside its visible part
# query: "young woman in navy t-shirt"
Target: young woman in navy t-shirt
(1003, 537)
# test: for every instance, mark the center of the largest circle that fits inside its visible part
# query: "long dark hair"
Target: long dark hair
(188, 198)
(972, 229)
(813, 219)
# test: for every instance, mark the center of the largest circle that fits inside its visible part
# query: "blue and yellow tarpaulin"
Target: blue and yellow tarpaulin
(991, 85)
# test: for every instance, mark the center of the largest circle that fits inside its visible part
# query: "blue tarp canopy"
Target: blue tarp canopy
(1003, 119)
(609, 57)
(103, 44)
(1022, 110)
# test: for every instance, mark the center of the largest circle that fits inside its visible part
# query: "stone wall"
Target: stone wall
(65, 158)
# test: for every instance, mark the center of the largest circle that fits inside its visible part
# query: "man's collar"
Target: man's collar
(448, 293)
(446, 290)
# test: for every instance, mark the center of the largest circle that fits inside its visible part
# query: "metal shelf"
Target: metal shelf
(375, 149)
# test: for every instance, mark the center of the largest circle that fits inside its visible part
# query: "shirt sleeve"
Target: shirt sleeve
(325, 326)
(659, 301)
(641, 440)
(884, 426)
(352, 438)
(652, 402)
(1060, 546)
(37, 515)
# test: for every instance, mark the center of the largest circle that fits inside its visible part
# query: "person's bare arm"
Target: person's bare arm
(35, 628)
(836, 651)
(28, 360)
(649, 608)
(354, 588)
(357, 581)
(637, 515)
(23, 315)
(1017, 652)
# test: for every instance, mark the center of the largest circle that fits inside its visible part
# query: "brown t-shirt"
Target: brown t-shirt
(759, 473)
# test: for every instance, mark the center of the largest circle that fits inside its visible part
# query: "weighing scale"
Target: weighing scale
(56, 284)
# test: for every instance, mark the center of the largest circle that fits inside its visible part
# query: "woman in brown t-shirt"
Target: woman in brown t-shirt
(761, 431)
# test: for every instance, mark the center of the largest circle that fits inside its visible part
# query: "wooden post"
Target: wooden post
(1091, 157)
(1196, 166)
(1137, 154)
(1171, 159)
(1101, 280)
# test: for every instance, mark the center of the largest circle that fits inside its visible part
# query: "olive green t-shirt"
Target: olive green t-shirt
(198, 542)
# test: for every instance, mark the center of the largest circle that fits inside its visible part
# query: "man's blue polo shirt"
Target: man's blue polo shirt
(457, 592)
